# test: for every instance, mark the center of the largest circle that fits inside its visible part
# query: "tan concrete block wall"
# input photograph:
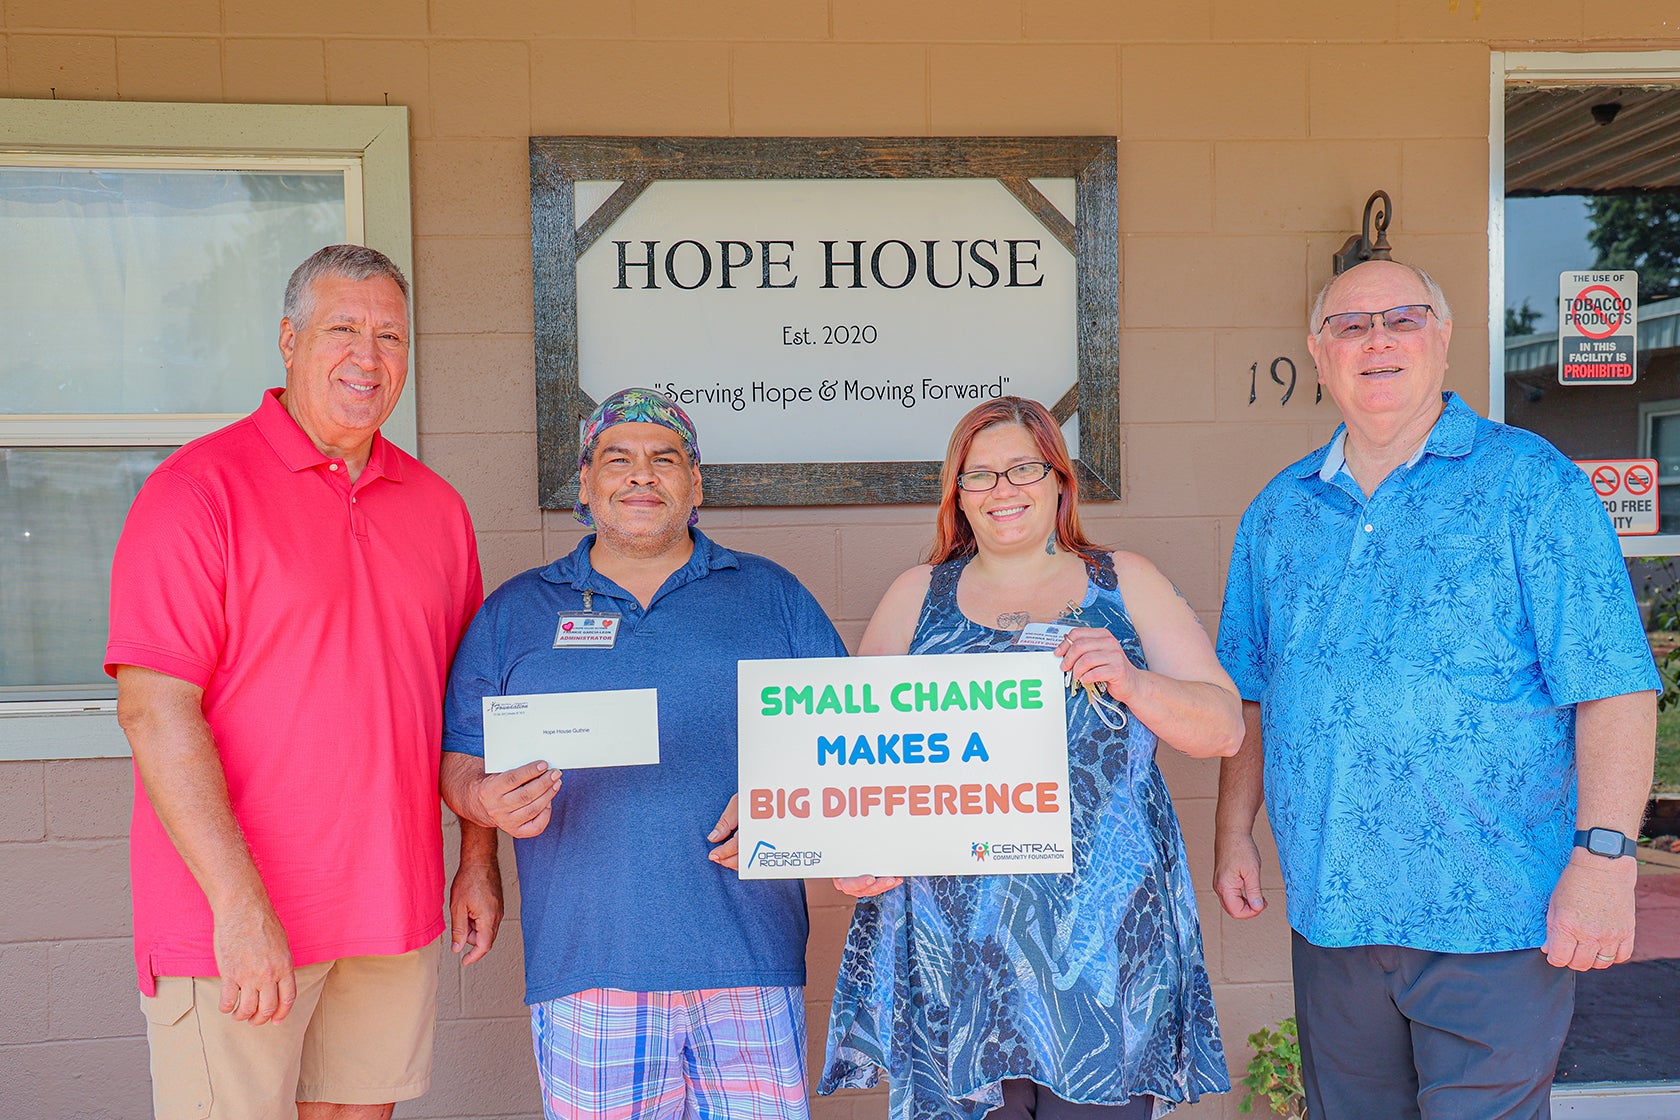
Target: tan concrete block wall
(829, 89)
(169, 69)
(82, 66)
(366, 17)
(523, 19)
(274, 71)
(1249, 136)
(736, 20)
(382, 72)
(72, 1040)
(684, 84)
(204, 16)
(1126, 21)
(933, 21)
(1076, 90)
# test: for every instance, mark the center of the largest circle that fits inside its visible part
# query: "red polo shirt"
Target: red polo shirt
(320, 617)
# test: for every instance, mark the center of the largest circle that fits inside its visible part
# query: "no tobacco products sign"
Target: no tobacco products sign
(1597, 339)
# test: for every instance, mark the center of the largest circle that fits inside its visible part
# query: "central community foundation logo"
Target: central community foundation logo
(998, 851)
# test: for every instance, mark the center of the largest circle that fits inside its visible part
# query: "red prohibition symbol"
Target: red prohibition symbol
(1612, 319)
(1606, 480)
(1639, 480)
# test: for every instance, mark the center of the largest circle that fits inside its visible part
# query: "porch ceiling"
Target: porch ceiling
(1555, 145)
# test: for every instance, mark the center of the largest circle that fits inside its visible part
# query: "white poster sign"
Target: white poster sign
(1597, 328)
(878, 310)
(941, 765)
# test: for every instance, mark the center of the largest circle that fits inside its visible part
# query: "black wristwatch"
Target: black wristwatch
(1606, 842)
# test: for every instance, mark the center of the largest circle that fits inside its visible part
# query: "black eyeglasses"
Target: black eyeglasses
(1399, 320)
(1021, 474)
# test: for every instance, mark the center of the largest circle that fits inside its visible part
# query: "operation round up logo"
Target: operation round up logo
(766, 854)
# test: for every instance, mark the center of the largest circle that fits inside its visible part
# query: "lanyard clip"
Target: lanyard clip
(1110, 711)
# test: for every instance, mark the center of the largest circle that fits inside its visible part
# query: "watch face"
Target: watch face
(1604, 842)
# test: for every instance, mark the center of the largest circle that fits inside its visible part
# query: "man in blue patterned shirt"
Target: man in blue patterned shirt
(1435, 638)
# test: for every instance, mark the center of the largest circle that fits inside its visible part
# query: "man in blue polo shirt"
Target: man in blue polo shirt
(1434, 635)
(660, 983)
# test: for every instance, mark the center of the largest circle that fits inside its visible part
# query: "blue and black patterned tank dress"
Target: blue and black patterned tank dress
(1091, 984)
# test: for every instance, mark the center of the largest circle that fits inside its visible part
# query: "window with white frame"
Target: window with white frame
(1659, 439)
(140, 306)
(145, 315)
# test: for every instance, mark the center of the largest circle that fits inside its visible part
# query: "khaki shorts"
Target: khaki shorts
(360, 1033)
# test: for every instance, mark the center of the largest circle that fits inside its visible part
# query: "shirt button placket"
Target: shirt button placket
(1364, 528)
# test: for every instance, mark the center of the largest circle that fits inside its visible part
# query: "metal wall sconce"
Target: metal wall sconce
(1360, 248)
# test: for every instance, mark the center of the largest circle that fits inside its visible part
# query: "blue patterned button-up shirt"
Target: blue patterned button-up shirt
(1417, 656)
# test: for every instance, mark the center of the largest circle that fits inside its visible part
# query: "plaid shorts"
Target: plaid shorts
(723, 1053)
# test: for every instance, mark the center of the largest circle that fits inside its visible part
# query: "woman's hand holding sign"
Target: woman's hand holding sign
(727, 852)
(867, 886)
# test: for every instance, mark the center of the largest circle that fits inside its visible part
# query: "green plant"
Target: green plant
(1274, 1073)
(1660, 582)
(1662, 587)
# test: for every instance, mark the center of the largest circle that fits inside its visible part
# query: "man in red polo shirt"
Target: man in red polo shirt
(286, 597)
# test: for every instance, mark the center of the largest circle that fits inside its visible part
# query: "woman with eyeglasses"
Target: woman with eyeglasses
(1052, 996)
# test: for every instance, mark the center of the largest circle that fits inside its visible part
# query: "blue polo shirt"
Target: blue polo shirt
(617, 892)
(1417, 656)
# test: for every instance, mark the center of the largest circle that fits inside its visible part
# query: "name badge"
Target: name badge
(586, 631)
(1043, 635)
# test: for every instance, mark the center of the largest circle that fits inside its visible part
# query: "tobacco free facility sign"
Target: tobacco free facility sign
(943, 765)
(1597, 339)
(1628, 489)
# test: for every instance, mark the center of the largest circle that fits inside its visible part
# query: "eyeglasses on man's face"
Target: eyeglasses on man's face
(1358, 324)
(1021, 474)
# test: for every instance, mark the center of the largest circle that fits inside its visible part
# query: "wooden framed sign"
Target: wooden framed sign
(826, 309)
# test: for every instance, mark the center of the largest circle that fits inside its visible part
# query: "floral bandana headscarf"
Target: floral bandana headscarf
(635, 406)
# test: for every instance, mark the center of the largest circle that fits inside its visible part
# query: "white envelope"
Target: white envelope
(570, 730)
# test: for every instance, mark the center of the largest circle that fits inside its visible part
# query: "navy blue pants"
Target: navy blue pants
(1404, 1034)
(1027, 1100)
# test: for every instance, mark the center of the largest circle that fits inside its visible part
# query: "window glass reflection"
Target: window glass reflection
(151, 291)
(61, 510)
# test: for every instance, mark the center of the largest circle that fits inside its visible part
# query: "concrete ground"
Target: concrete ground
(1627, 1018)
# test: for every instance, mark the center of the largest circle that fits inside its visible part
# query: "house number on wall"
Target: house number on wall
(1288, 386)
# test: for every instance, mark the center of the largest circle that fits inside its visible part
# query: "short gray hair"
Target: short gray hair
(350, 262)
(1437, 298)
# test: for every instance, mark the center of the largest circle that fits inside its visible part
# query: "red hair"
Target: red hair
(953, 536)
